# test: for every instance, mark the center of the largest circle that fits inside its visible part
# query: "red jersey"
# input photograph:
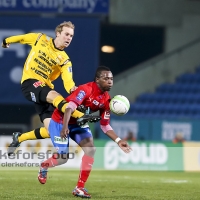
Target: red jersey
(90, 96)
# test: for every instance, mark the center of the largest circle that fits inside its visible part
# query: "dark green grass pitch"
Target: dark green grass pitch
(138, 185)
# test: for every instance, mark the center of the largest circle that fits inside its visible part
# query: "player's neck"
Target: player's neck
(101, 89)
(58, 44)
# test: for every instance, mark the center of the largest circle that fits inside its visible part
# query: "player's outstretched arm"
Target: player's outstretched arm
(29, 38)
(112, 135)
(124, 146)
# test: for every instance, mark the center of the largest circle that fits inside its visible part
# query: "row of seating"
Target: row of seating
(164, 115)
(169, 98)
(165, 111)
(178, 100)
(165, 107)
(179, 87)
(189, 78)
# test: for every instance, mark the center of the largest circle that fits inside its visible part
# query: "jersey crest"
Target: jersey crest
(80, 95)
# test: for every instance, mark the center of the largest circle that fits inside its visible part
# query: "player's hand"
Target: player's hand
(5, 45)
(64, 132)
(73, 89)
(124, 146)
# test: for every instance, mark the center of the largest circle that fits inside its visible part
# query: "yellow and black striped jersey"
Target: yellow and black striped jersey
(45, 62)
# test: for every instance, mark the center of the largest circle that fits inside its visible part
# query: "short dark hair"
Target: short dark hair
(100, 69)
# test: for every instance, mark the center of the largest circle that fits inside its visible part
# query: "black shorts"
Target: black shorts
(36, 91)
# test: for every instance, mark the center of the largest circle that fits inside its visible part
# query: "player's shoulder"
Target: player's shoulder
(38, 36)
(64, 54)
(87, 86)
(45, 37)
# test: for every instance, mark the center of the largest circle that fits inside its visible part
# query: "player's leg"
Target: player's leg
(44, 111)
(38, 92)
(34, 91)
(39, 133)
(59, 158)
(59, 102)
(83, 137)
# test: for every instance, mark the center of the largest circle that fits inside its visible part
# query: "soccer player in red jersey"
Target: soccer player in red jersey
(95, 96)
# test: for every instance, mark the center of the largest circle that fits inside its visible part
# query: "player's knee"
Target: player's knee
(90, 151)
(51, 96)
(63, 158)
(60, 157)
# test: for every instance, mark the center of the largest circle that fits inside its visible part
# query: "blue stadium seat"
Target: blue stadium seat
(172, 100)
(143, 98)
(188, 78)
(164, 88)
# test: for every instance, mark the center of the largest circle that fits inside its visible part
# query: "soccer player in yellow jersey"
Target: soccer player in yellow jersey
(46, 61)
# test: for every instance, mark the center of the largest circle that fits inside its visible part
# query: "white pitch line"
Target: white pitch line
(175, 181)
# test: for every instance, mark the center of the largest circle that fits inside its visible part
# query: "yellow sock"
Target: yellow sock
(60, 103)
(39, 133)
(44, 133)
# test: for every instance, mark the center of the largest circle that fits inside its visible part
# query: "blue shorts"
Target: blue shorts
(76, 133)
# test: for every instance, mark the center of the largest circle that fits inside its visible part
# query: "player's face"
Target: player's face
(65, 37)
(105, 82)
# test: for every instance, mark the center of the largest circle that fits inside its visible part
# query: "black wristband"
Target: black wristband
(4, 42)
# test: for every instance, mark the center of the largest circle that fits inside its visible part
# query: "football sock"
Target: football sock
(86, 167)
(55, 160)
(39, 133)
(60, 103)
(51, 162)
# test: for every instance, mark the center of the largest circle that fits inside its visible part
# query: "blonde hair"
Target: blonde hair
(68, 24)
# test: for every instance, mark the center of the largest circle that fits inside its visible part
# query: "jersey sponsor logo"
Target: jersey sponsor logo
(37, 84)
(107, 115)
(70, 69)
(41, 74)
(95, 102)
(59, 140)
(33, 96)
(80, 95)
